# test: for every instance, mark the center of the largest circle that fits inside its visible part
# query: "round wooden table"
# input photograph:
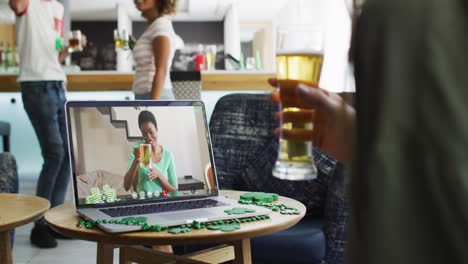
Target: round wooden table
(17, 210)
(64, 219)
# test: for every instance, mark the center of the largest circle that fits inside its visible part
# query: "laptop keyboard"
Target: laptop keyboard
(161, 207)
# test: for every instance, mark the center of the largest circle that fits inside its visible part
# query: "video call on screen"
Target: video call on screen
(172, 143)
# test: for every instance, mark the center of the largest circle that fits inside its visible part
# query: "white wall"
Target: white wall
(103, 146)
(6, 15)
(232, 41)
(107, 148)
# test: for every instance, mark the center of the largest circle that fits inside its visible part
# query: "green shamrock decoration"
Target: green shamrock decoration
(95, 197)
(177, 230)
(108, 195)
(239, 210)
(224, 227)
(111, 194)
(260, 197)
(134, 220)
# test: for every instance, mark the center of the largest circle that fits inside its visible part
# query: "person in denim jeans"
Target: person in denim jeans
(44, 103)
(40, 31)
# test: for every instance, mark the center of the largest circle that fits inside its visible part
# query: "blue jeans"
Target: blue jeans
(166, 95)
(44, 103)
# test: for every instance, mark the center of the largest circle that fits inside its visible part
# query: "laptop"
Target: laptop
(175, 186)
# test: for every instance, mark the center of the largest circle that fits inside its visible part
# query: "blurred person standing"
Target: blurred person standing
(410, 183)
(39, 26)
(410, 176)
(154, 51)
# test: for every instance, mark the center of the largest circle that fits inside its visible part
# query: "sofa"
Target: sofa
(245, 149)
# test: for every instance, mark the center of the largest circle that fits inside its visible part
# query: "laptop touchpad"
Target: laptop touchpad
(192, 214)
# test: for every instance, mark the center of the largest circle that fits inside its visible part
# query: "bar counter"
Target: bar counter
(87, 81)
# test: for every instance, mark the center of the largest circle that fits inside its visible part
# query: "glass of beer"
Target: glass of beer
(145, 155)
(210, 57)
(299, 59)
(121, 39)
(74, 41)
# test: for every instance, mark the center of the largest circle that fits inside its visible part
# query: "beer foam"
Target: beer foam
(299, 51)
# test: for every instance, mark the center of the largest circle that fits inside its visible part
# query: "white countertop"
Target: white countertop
(236, 72)
(216, 72)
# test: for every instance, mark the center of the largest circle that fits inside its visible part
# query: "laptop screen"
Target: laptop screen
(135, 151)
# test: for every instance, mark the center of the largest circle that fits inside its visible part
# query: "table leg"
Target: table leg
(242, 252)
(123, 256)
(5, 248)
(105, 253)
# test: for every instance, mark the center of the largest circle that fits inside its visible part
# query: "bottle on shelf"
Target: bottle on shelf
(258, 65)
(8, 56)
(2, 55)
(16, 59)
(200, 59)
(241, 65)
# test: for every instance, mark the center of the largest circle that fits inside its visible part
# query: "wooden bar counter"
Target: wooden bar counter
(87, 81)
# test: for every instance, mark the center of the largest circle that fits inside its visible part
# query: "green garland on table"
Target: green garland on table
(226, 226)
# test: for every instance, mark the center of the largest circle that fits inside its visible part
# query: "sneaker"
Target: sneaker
(57, 234)
(41, 237)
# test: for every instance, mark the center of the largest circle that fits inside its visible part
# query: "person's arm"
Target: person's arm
(19, 6)
(63, 54)
(165, 183)
(171, 174)
(161, 50)
(156, 174)
(132, 42)
(131, 177)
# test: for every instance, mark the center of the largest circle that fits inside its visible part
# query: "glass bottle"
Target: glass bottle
(2, 55)
(16, 59)
(8, 56)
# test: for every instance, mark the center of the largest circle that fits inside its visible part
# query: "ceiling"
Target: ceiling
(188, 10)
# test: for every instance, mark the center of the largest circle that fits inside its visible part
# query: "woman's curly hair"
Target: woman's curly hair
(166, 7)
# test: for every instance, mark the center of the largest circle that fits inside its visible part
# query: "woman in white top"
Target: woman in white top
(154, 51)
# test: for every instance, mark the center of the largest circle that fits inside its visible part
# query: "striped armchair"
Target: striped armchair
(245, 149)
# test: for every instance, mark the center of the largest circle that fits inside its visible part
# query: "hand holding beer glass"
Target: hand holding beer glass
(299, 60)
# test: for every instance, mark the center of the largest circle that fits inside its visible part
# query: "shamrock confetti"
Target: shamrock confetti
(177, 230)
(260, 197)
(224, 227)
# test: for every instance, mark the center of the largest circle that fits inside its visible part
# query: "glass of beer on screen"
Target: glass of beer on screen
(74, 41)
(145, 155)
(299, 59)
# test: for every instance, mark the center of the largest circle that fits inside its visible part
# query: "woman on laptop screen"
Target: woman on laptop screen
(151, 167)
